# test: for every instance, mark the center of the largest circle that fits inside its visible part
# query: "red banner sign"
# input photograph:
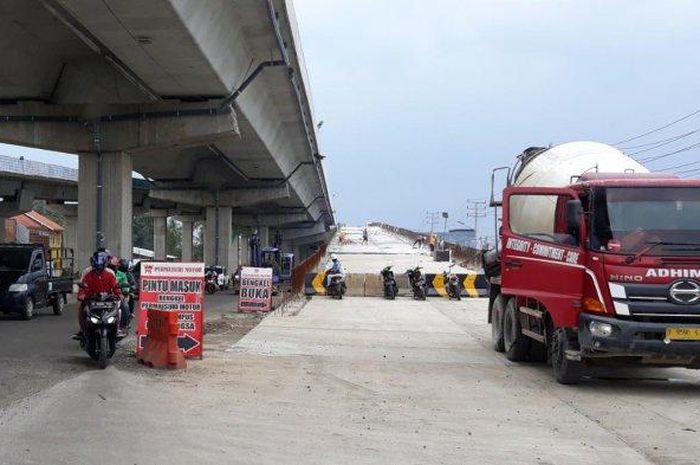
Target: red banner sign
(173, 287)
(256, 290)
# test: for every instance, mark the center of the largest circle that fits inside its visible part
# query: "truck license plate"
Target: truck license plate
(683, 334)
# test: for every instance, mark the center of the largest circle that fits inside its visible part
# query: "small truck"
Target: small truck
(33, 277)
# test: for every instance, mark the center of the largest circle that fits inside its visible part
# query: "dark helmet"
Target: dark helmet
(124, 265)
(99, 260)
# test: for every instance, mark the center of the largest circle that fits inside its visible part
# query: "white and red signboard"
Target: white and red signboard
(173, 287)
(256, 290)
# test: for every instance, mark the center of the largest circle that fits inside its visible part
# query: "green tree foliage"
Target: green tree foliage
(142, 230)
(198, 243)
(173, 241)
(39, 206)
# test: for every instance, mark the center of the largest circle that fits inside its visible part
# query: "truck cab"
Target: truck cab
(607, 271)
(33, 277)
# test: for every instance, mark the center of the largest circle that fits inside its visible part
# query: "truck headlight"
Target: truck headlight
(18, 287)
(600, 329)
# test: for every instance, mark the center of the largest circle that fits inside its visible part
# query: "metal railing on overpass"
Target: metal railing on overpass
(37, 169)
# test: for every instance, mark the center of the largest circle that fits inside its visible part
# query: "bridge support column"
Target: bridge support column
(217, 237)
(160, 232)
(187, 238)
(115, 193)
(70, 232)
(264, 235)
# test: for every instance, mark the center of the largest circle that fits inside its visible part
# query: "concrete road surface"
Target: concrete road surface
(39, 353)
(384, 248)
(361, 381)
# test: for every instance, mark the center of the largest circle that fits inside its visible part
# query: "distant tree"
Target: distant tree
(142, 231)
(39, 206)
(198, 242)
(173, 244)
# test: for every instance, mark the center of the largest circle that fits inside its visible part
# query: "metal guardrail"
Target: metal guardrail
(37, 169)
(307, 266)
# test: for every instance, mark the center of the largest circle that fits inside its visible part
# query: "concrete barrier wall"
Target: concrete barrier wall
(370, 285)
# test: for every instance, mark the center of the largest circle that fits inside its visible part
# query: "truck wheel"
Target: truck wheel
(565, 371)
(28, 309)
(497, 310)
(516, 344)
(58, 304)
(538, 352)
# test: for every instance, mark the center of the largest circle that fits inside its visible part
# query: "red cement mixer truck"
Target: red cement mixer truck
(598, 262)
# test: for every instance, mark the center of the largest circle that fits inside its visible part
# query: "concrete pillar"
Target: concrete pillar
(70, 232)
(187, 238)
(116, 204)
(160, 232)
(217, 243)
(264, 234)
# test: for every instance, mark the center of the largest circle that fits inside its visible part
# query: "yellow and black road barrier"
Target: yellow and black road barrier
(370, 285)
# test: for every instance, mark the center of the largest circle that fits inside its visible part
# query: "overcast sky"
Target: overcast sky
(421, 99)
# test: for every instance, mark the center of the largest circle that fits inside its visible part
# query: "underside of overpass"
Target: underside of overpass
(208, 100)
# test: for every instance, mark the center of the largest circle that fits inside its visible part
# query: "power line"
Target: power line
(667, 139)
(670, 140)
(666, 155)
(689, 115)
(476, 209)
(686, 172)
(431, 218)
(671, 168)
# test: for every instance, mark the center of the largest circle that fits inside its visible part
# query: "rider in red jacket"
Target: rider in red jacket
(96, 281)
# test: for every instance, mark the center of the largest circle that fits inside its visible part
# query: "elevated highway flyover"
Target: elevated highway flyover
(208, 101)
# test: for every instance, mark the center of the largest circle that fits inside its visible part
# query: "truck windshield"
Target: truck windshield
(15, 259)
(646, 220)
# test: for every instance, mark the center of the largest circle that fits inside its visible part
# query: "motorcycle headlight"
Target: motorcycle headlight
(18, 287)
(94, 319)
(111, 320)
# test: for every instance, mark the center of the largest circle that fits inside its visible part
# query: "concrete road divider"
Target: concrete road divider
(471, 285)
(371, 285)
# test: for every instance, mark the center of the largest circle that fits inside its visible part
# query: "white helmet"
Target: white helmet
(334, 257)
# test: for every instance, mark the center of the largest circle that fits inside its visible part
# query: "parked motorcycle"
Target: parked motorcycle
(100, 337)
(211, 283)
(417, 281)
(391, 289)
(336, 287)
(452, 287)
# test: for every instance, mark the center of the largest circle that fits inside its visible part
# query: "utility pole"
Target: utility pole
(476, 209)
(432, 218)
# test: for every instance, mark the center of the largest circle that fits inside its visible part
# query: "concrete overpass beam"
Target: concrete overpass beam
(301, 233)
(226, 198)
(270, 220)
(116, 205)
(124, 128)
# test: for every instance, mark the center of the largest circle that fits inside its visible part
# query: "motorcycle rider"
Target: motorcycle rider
(96, 281)
(115, 264)
(334, 269)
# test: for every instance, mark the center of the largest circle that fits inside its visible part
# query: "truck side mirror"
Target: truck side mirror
(574, 211)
